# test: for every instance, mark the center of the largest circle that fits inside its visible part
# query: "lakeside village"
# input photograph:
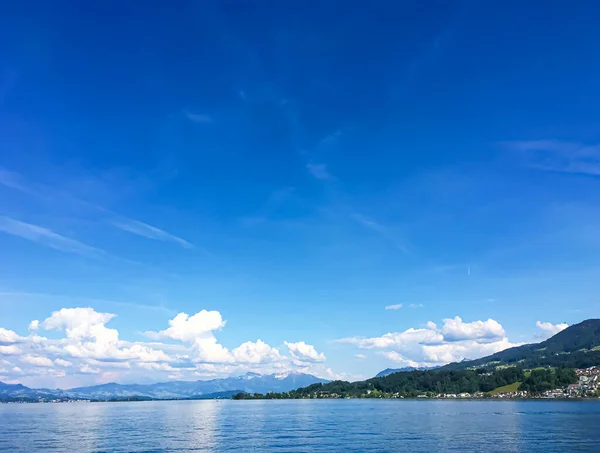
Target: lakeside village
(588, 386)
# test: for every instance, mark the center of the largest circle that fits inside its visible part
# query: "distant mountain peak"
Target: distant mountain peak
(251, 375)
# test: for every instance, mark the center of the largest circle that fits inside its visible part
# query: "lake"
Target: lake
(302, 426)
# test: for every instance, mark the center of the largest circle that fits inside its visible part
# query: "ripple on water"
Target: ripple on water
(302, 426)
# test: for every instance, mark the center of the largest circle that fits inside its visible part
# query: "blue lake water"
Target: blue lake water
(303, 426)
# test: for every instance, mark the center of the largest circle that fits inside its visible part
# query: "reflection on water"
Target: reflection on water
(302, 426)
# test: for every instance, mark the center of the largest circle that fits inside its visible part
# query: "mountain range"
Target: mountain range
(248, 383)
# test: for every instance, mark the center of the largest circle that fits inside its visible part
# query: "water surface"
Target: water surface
(302, 426)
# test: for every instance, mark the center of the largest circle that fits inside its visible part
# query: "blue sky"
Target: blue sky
(292, 169)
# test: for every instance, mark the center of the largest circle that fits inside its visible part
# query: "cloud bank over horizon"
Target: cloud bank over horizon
(80, 349)
(88, 352)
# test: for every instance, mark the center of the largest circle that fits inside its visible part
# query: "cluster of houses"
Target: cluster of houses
(587, 386)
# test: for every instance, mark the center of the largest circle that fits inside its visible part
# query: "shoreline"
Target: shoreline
(574, 399)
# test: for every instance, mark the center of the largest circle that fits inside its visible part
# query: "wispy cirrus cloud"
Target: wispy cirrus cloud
(558, 156)
(380, 229)
(319, 171)
(394, 307)
(16, 181)
(197, 118)
(15, 297)
(149, 231)
(47, 237)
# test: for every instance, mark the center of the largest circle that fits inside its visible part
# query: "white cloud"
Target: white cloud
(34, 325)
(360, 356)
(549, 329)
(454, 329)
(86, 369)
(396, 357)
(47, 237)
(430, 345)
(149, 231)
(9, 337)
(304, 352)
(189, 328)
(65, 197)
(198, 330)
(11, 349)
(415, 305)
(394, 307)
(468, 349)
(258, 352)
(91, 352)
(37, 360)
(88, 337)
(63, 362)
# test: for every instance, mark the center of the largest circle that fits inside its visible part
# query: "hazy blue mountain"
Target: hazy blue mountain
(249, 383)
(20, 392)
(388, 371)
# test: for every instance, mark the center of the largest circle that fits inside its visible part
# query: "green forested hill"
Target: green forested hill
(578, 346)
(432, 383)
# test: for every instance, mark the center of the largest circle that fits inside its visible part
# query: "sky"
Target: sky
(204, 188)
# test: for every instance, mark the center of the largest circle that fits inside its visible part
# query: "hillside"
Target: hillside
(432, 383)
(574, 347)
(406, 369)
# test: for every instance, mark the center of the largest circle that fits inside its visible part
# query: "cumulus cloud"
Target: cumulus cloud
(396, 357)
(88, 337)
(548, 329)
(456, 330)
(8, 337)
(86, 369)
(190, 328)
(90, 351)
(257, 352)
(304, 352)
(37, 360)
(63, 362)
(10, 349)
(455, 340)
(198, 330)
